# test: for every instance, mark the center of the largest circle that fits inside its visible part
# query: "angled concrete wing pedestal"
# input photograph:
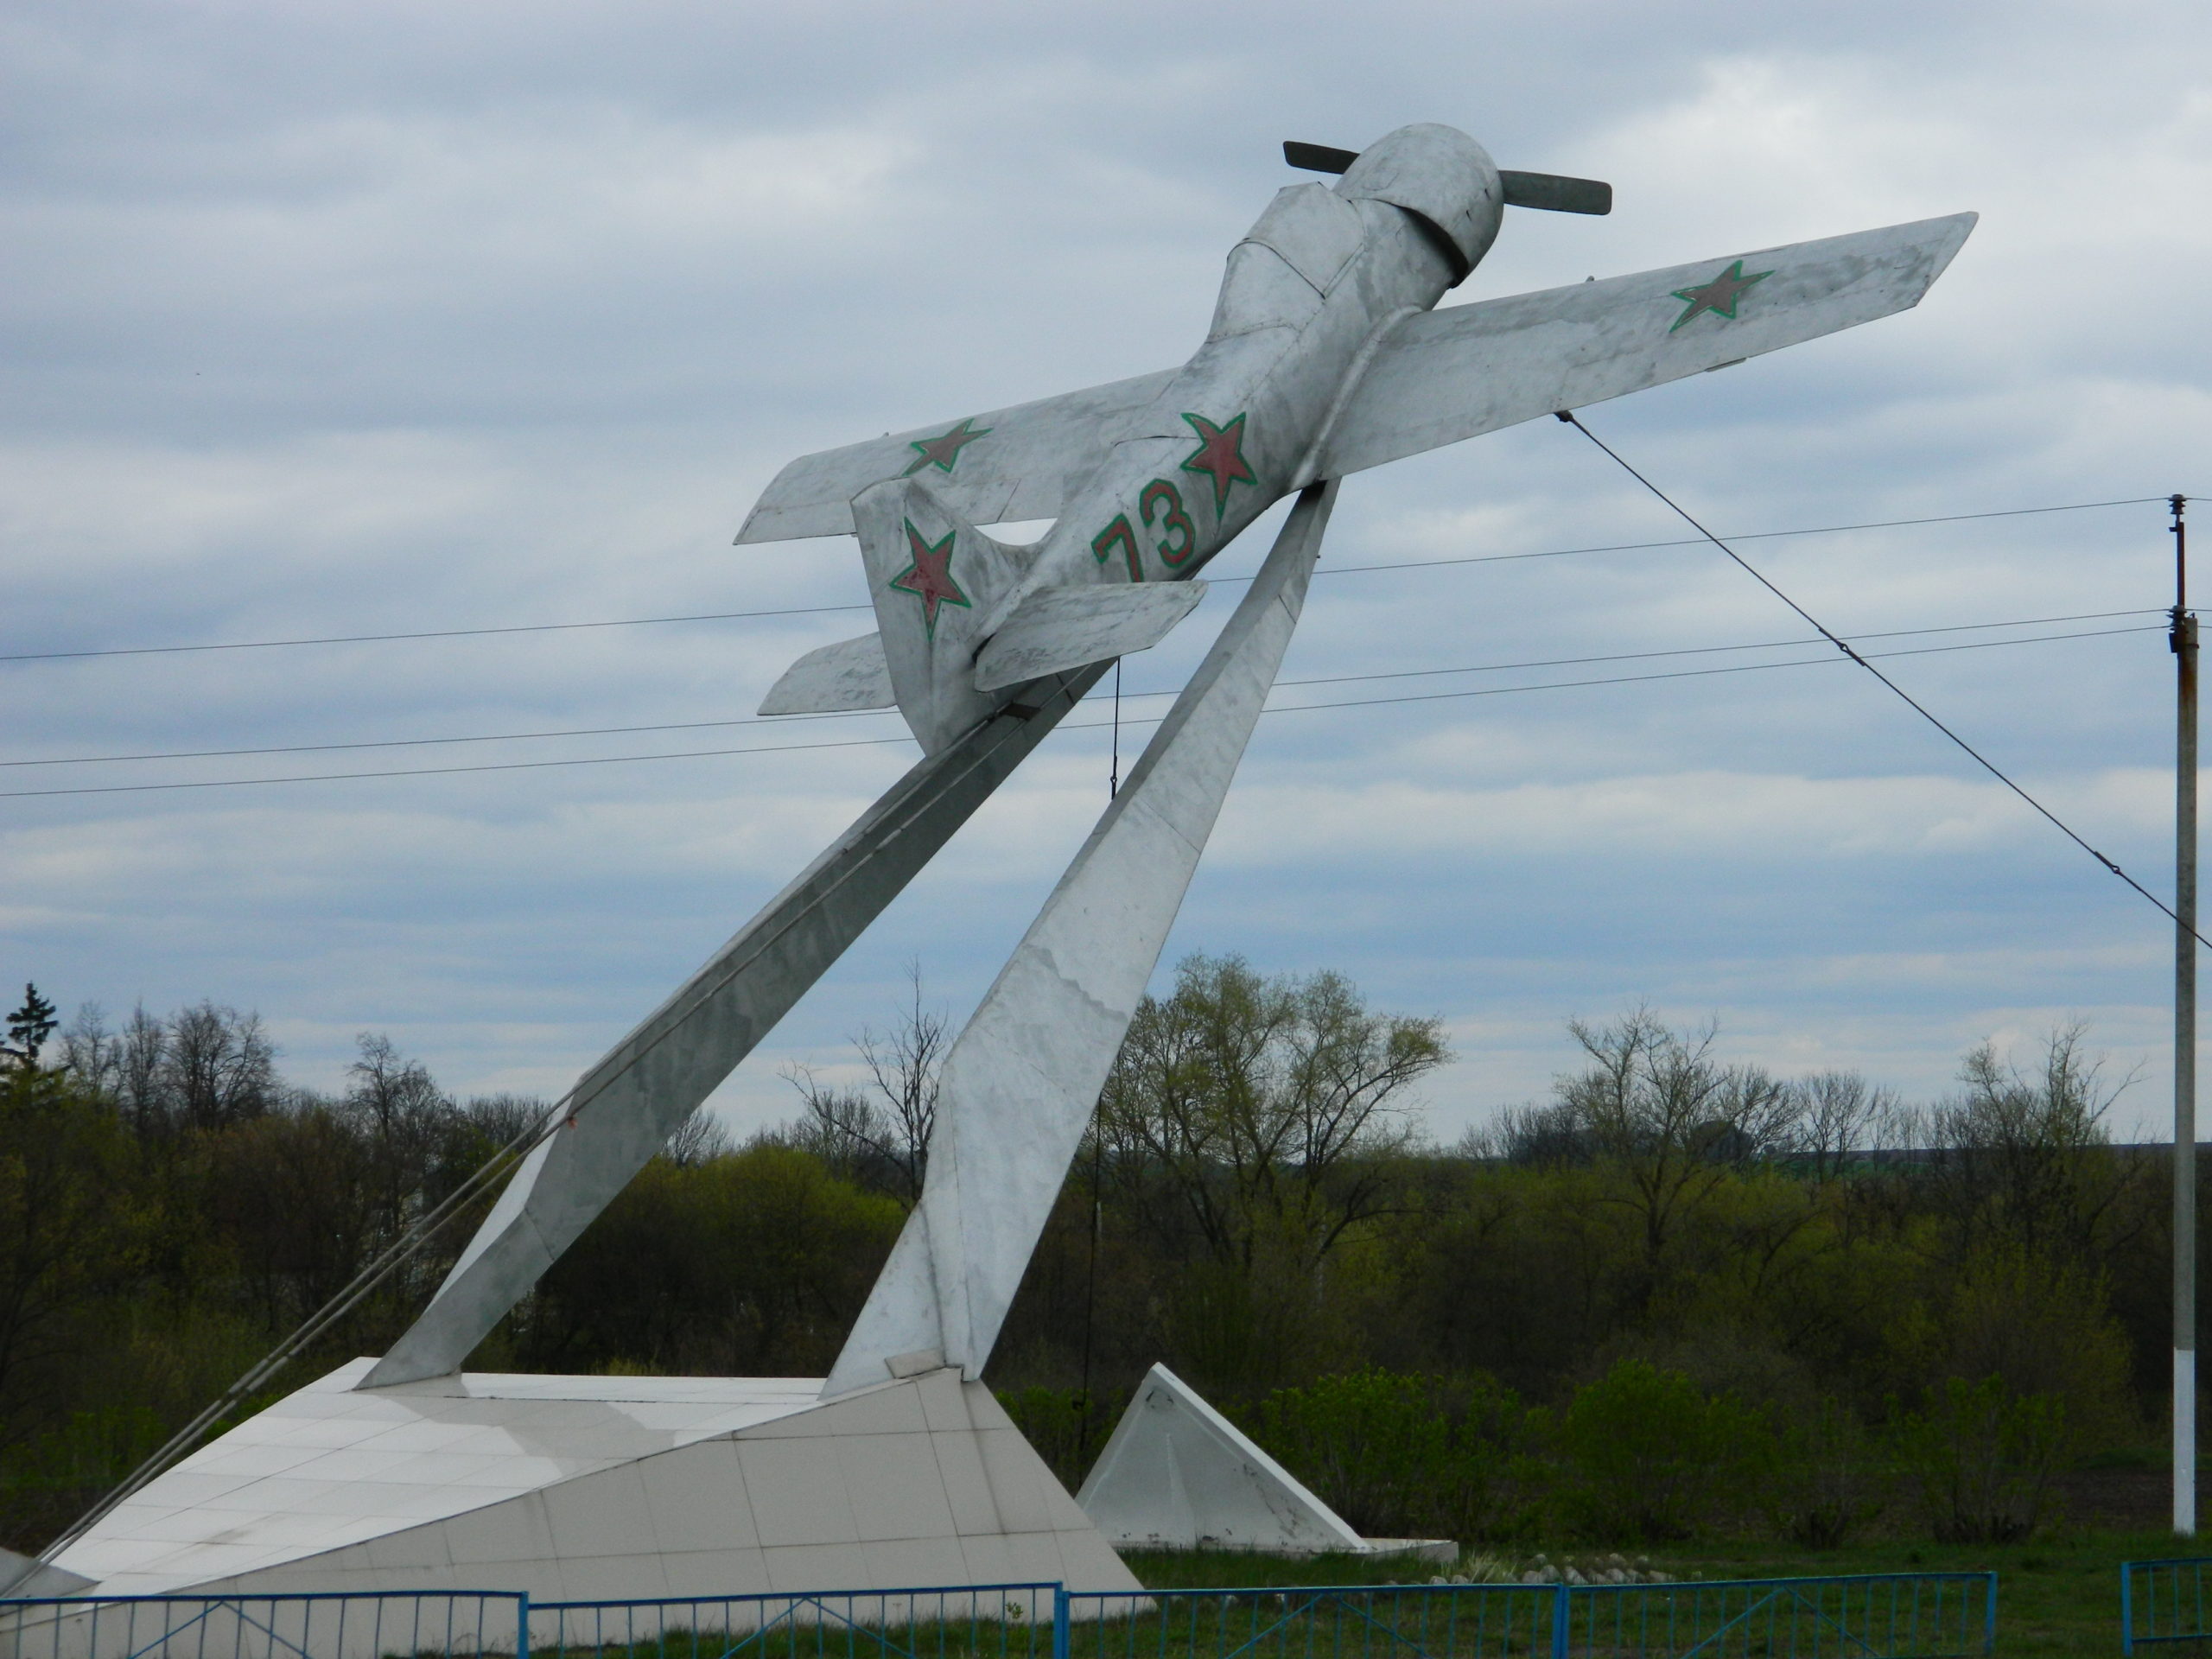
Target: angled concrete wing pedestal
(625, 1106)
(1176, 1474)
(1022, 1079)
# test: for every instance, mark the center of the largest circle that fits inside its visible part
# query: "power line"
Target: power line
(870, 713)
(430, 634)
(1697, 673)
(825, 610)
(1094, 725)
(1814, 623)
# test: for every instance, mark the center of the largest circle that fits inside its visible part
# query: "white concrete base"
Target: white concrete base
(603, 1488)
(1178, 1475)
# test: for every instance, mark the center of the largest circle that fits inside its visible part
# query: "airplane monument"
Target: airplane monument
(1328, 355)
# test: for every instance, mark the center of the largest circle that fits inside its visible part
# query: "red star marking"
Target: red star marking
(929, 578)
(943, 450)
(1220, 456)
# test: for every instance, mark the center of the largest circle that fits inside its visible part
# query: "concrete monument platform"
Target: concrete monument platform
(581, 1487)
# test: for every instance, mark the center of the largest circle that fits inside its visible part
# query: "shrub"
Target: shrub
(1053, 1422)
(1822, 1476)
(1408, 1456)
(1980, 1459)
(1648, 1452)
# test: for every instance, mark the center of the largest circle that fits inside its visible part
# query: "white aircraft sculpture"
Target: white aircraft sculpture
(1326, 357)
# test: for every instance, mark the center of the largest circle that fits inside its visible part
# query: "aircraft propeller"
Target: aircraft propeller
(1552, 192)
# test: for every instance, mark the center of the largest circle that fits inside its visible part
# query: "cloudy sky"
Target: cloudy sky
(344, 320)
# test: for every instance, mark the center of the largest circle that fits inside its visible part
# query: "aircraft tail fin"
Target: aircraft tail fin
(934, 578)
(848, 677)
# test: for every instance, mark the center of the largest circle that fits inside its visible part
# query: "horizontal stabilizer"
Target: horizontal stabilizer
(1060, 628)
(993, 467)
(1442, 375)
(843, 679)
(1555, 194)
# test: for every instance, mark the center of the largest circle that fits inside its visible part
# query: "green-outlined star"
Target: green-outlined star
(1220, 455)
(929, 578)
(1719, 295)
(943, 450)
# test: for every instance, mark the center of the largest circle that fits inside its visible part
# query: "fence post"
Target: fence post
(522, 1627)
(1559, 1613)
(1059, 1621)
(1989, 1632)
(2127, 1607)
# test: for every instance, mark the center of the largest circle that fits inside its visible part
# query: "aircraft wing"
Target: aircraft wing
(1005, 463)
(1447, 375)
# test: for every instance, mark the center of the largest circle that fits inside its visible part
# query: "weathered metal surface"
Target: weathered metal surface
(1324, 356)
(1441, 176)
(1022, 473)
(1456, 373)
(935, 579)
(1020, 1081)
(846, 678)
(1067, 627)
(1554, 193)
(626, 1106)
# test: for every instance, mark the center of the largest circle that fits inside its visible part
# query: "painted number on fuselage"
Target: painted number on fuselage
(1118, 534)
(1160, 497)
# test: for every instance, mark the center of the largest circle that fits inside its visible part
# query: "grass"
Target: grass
(2056, 1595)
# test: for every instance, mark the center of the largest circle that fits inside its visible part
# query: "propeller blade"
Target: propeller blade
(1556, 194)
(1318, 158)
(1549, 191)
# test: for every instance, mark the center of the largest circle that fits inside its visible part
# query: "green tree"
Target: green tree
(1258, 1112)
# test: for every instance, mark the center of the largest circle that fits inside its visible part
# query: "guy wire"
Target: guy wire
(1820, 627)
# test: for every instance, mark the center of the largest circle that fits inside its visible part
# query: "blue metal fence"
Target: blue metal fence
(990, 1621)
(463, 1623)
(1453, 1621)
(2162, 1601)
(1869, 1615)
(1887, 1616)
(1899, 1615)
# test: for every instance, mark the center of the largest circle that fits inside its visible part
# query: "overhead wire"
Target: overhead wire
(1077, 726)
(1569, 416)
(823, 610)
(1095, 696)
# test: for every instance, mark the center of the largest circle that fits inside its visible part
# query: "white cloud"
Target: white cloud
(357, 319)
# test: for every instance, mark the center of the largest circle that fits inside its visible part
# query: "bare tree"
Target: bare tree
(880, 1132)
(1670, 1118)
(1839, 1116)
(2024, 1153)
(219, 1069)
(406, 1115)
(140, 1073)
(699, 1138)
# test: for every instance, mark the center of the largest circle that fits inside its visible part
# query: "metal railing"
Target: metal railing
(1875, 1616)
(989, 1621)
(462, 1623)
(2162, 1601)
(1449, 1621)
(1863, 1616)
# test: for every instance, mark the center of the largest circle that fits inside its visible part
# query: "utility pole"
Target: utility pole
(2183, 643)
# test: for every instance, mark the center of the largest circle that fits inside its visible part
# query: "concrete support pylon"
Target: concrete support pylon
(1020, 1081)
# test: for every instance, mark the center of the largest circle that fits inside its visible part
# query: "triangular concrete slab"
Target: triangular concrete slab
(1178, 1475)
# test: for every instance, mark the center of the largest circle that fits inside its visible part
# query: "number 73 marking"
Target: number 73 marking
(1160, 506)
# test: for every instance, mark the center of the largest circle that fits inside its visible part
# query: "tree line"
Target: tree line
(1614, 1312)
